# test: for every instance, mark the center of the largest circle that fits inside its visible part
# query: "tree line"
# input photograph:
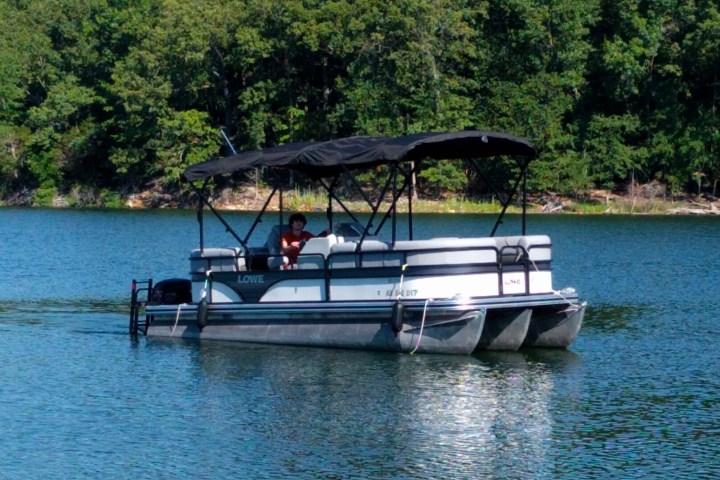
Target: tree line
(102, 98)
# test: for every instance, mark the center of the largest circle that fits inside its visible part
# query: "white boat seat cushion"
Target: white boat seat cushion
(539, 247)
(217, 260)
(341, 254)
(349, 229)
(276, 262)
(315, 251)
(439, 251)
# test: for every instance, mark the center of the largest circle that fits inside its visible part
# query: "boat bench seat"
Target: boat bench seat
(350, 230)
(259, 258)
(448, 251)
(275, 259)
(437, 251)
(217, 260)
(538, 248)
(315, 251)
(373, 253)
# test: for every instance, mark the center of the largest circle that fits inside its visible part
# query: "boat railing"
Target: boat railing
(527, 256)
(333, 253)
(443, 251)
(512, 259)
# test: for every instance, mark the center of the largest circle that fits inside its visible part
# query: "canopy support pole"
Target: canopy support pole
(411, 193)
(359, 189)
(331, 195)
(506, 204)
(258, 219)
(393, 205)
(200, 223)
(281, 222)
(340, 202)
(406, 184)
(375, 209)
(201, 200)
(524, 191)
(204, 201)
(227, 226)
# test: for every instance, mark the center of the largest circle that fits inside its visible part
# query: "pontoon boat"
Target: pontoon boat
(355, 289)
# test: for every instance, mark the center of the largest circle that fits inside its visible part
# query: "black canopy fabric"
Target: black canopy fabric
(319, 159)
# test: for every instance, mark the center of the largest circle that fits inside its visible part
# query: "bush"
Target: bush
(110, 199)
(44, 196)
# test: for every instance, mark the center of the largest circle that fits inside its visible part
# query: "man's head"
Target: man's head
(297, 217)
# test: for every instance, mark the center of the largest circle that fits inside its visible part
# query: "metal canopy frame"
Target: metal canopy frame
(339, 157)
(395, 170)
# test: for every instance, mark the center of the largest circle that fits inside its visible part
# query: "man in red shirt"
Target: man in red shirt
(291, 240)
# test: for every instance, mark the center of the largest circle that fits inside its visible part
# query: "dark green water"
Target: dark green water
(637, 396)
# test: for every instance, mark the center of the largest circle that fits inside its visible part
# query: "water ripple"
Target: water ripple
(635, 397)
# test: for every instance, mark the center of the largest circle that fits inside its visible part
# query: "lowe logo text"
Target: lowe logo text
(252, 279)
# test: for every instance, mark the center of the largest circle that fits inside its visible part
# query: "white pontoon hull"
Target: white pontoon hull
(555, 328)
(445, 329)
(447, 326)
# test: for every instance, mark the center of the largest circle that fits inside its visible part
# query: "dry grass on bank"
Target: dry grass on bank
(597, 202)
(650, 199)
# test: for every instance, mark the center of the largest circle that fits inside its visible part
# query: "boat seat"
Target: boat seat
(342, 255)
(448, 251)
(315, 251)
(348, 229)
(273, 241)
(259, 259)
(538, 247)
(342, 239)
(508, 249)
(277, 262)
(275, 258)
(217, 260)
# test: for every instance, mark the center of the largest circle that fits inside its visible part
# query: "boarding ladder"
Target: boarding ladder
(139, 287)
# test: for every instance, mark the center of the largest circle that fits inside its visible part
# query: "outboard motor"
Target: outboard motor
(172, 291)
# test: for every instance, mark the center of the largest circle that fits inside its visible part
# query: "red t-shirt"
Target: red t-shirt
(290, 237)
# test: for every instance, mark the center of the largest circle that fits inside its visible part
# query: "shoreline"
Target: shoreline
(599, 202)
(249, 199)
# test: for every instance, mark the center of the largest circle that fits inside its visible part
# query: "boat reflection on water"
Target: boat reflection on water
(478, 415)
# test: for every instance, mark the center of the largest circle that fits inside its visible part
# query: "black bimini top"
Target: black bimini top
(321, 159)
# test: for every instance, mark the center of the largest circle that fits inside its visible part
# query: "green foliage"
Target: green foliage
(611, 148)
(110, 199)
(413, 66)
(186, 138)
(44, 196)
(115, 96)
(13, 141)
(445, 178)
(565, 173)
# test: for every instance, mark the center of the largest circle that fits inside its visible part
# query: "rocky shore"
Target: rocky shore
(639, 201)
(597, 202)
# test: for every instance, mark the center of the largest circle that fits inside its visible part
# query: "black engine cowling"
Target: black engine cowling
(172, 291)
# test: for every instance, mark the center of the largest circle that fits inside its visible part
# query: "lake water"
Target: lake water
(637, 395)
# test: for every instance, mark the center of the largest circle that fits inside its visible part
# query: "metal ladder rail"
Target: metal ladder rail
(136, 306)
